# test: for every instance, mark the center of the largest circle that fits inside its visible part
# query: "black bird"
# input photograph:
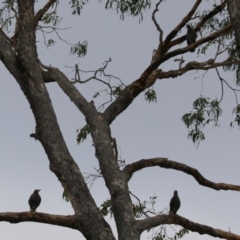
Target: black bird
(174, 203)
(191, 36)
(34, 200)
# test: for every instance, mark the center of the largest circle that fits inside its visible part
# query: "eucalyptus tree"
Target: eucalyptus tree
(18, 53)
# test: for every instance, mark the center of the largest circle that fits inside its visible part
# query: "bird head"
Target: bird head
(37, 191)
(175, 192)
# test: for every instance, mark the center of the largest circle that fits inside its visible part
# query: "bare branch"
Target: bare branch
(165, 163)
(218, 50)
(192, 226)
(156, 23)
(233, 89)
(222, 86)
(111, 90)
(100, 71)
(59, 220)
(209, 64)
(81, 103)
(180, 60)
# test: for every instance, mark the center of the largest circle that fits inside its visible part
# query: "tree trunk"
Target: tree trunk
(234, 11)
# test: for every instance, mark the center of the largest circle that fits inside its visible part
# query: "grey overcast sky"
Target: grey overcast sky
(142, 131)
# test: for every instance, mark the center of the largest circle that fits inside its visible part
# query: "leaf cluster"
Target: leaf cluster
(80, 49)
(65, 196)
(236, 111)
(82, 135)
(205, 111)
(51, 18)
(226, 43)
(106, 208)
(77, 6)
(129, 7)
(150, 95)
(162, 235)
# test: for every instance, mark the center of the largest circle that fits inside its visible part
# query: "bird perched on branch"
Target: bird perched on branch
(191, 36)
(34, 200)
(174, 203)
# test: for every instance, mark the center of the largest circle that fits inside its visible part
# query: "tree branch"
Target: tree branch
(156, 23)
(215, 11)
(209, 64)
(37, 17)
(202, 40)
(165, 163)
(173, 33)
(13, 43)
(53, 74)
(147, 79)
(179, 51)
(58, 220)
(192, 226)
(42, 11)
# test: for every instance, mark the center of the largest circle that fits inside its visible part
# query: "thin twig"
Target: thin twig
(221, 84)
(156, 23)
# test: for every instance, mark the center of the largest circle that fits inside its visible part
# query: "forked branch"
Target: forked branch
(179, 51)
(212, 13)
(165, 163)
(54, 75)
(173, 33)
(42, 11)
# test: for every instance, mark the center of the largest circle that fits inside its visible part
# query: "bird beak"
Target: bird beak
(39, 190)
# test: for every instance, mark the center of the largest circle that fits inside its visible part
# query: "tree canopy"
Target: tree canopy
(34, 35)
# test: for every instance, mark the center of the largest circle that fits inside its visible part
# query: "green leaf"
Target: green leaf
(77, 6)
(150, 95)
(117, 90)
(51, 42)
(82, 135)
(51, 17)
(65, 196)
(96, 95)
(133, 8)
(205, 111)
(80, 49)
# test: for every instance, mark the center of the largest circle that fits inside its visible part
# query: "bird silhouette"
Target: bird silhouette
(191, 36)
(174, 203)
(34, 200)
